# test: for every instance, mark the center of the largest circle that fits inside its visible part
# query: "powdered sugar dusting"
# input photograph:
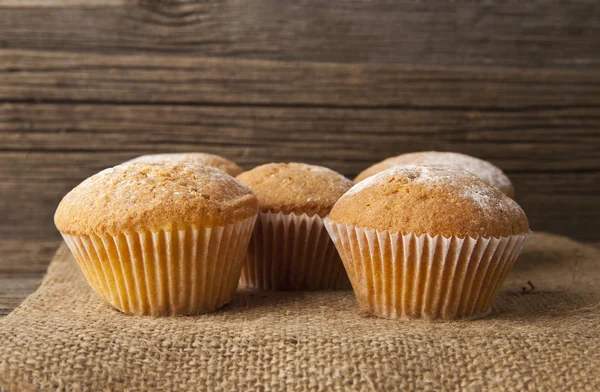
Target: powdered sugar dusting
(128, 182)
(189, 157)
(377, 179)
(153, 196)
(462, 182)
(201, 158)
(417, 173)
(479, 167)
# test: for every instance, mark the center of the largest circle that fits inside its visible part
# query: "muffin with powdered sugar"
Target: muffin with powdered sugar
(159, 238)
(479, 167)
(431, 242)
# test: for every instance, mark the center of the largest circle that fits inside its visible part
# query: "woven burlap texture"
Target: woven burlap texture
(548, 338)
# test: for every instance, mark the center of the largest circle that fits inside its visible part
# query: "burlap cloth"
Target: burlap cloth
(62, 337)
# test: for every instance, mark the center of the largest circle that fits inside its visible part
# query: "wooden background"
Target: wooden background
(88, 84)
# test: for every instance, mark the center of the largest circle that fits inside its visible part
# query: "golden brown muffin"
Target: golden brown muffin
(431, 200)
(290, 249)
(201, 158)
(431, 242)
(153, 196)
(479, 167)
(160, 238)
(296, 187)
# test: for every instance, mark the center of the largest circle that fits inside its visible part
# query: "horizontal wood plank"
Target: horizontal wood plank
(100, 78)
(20, 4)
(22, 265)
(551, 155)
(348, 139)
(536, 33)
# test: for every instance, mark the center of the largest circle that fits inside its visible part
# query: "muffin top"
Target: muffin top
(295, 187)
(479, 167)
(430, 200)
(141, 196)
(217, 161)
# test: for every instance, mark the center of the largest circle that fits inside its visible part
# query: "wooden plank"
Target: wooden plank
(22, 266)
(60, 3)
(346, 139)
(551, 155)
(100, 78)
(536, 33)
(25, 258)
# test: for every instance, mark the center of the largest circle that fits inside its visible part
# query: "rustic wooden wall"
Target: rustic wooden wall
(88, 84)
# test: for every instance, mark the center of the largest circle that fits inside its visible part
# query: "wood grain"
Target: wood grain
(67, 115)
(551, 155)
(100, 78)
(89, 84)
(560, 139)
(22, 266)
(536, 33)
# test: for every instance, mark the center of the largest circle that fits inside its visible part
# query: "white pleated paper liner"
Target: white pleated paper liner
(165, 273)
(292, 252)
(423, 277)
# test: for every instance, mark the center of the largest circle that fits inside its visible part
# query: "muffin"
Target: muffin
(481, 168)
(159, 238)
(431, 242)
(201, 158)
(290, 249)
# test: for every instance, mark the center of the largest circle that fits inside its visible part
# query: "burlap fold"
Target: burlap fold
(65, 338)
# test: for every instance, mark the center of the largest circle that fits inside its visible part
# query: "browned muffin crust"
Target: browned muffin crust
(484, 169)
(296, 187)
(141, 196)
(201, 158)
(430, 200)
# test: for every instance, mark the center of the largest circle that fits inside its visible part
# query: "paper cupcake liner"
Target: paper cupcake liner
(292, 252)
(165, 273)
(410, 276)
